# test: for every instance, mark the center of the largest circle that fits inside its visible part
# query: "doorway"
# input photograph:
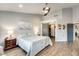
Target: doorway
(70, 33)
(76, 34)
(76, 30)
(48, 29)
(52, 31)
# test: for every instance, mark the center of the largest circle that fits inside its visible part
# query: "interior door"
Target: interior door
(70, 33)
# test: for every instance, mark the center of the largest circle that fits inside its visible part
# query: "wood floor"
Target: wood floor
(58, 49)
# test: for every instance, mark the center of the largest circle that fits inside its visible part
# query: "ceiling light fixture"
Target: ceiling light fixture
(46, 9)
(20, 5)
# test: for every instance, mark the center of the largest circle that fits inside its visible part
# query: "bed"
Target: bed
(28, 41)
(32, 45)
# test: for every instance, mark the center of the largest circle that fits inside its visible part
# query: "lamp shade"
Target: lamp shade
(10, 32)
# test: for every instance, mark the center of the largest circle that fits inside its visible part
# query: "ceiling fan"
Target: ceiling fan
(46, 9)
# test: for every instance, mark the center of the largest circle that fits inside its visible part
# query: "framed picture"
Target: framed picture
(63, 26)
(59, 26)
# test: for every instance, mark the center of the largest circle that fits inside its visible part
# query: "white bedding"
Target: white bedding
(32, 45)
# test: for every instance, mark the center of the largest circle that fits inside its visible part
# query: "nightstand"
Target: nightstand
(10, 43)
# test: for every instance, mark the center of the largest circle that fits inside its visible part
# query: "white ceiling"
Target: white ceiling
(33, 8)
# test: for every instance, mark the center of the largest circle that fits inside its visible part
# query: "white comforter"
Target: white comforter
(32, 45)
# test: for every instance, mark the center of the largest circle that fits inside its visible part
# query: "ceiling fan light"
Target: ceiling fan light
(46, 11)
(47, 8)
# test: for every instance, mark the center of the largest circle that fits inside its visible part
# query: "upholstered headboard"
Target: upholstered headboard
(24, 28)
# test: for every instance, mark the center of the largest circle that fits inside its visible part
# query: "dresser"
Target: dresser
(10, 43)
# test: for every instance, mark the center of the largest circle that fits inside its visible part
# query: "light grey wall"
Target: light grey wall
(10, 20)
(45, 29)
(67, 14)
(76, 14)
